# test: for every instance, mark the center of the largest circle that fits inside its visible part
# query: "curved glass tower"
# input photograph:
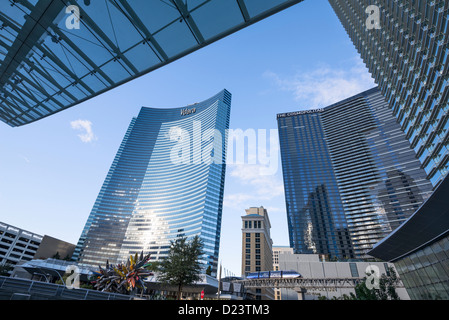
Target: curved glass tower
(407, 55)
(166, 181)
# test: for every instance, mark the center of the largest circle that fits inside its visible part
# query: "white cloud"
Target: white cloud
(27, 160)
(86, 127)
(325, 85)
(267, 186)
(259, 188)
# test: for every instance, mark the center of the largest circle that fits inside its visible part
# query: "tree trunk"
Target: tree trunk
(179, 291)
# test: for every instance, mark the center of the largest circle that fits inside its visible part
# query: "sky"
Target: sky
(51, 171)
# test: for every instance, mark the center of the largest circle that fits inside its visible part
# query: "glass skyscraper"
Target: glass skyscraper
(315, 212)
(350, 176)
(166, 181)
(406, 52)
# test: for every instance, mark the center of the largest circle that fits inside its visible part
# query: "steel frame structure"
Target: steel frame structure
(305, 283)
(48, 64)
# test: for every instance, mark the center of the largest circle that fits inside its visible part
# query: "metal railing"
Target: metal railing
(32, 289)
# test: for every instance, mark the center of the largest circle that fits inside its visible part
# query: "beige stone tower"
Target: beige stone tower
(257, 254)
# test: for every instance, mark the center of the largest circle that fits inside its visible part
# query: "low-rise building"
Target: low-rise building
(330, 273)
(276, 251)
(18, 246)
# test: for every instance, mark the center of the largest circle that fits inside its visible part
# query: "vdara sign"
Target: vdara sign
(291, 114)
(186, 111)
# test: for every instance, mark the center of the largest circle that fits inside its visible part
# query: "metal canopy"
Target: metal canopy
(50, 60)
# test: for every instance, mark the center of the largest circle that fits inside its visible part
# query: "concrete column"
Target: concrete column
(301, 293)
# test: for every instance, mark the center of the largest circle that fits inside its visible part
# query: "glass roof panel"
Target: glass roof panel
(65, 56)
(109, 18)
(154, 14)
(116, 40)
(256, 7)
(16, 13)
(142, 56)
(217, 15)
(94, 82)
(192, 4)
(115, 70)
(87, 41)
(175, 38)
(7, 35)
(76, 91)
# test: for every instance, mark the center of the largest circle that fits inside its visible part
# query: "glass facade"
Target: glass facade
(380, 180)
(166, 181)
(425, 273)
(408, 58)
(58, 53)
(315, 214)
(420, 248)
(349, 173)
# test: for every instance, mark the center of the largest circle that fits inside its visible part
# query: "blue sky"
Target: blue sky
(300, 58)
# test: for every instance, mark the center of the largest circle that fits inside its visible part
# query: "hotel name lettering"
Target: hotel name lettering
(296, 113)
(186, 111)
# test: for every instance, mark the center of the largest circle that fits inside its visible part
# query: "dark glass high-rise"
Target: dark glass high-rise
(350, 176)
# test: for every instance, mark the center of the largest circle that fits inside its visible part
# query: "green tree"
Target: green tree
(209, 270)
(351, 296)
(385, 291)
(153, 266)
(181, 267)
